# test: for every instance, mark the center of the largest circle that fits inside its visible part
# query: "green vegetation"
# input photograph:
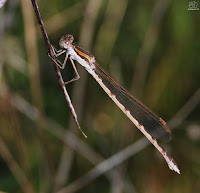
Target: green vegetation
(151, 47)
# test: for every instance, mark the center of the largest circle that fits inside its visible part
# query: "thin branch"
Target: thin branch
(47, 42)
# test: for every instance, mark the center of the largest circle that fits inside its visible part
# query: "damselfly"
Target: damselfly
(150, 124)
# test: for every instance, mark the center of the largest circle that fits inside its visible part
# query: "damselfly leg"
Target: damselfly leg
(62, 65)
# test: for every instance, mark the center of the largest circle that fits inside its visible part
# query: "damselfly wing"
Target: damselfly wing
(150, 124)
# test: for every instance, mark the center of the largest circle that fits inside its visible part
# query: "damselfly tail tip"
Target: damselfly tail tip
(177, 170)
(174, 167)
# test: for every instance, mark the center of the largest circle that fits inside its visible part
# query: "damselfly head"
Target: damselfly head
(66, 41)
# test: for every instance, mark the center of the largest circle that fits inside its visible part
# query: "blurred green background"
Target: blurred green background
(151, 47)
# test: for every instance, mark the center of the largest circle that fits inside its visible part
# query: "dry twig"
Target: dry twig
(50, 52)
